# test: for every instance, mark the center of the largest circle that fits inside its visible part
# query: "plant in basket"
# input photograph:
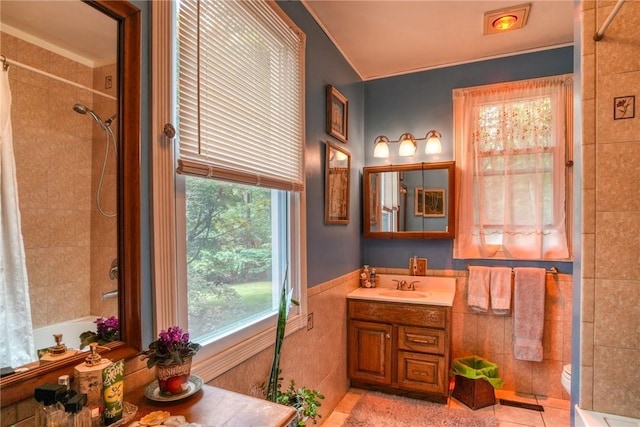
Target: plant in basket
(171, 354)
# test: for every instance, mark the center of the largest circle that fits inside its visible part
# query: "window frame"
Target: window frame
(168, 194)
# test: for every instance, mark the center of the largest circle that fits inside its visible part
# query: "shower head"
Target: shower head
(82, 109)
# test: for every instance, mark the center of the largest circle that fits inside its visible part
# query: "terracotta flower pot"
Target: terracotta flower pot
(174, 379)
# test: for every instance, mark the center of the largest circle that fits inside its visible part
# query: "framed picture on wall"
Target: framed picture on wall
(337, 114)
(418, 202)
(434, 202)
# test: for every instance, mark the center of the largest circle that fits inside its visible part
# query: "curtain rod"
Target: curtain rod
(6, 63)
(552, 270)
(600, 34)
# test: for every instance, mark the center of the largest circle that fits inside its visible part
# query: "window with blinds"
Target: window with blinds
(240, 174)
(241, 93)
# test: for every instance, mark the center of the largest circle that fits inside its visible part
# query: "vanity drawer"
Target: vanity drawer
(421, 339)
(399, 314)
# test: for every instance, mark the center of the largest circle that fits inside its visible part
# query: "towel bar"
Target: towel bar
(553, 270)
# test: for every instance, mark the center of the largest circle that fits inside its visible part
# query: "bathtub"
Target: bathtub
(598, 419)
(70, 330)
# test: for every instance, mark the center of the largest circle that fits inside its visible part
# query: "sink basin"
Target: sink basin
(402, 294)
(432, 290)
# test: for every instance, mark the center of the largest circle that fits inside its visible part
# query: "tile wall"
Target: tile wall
(610, 341)
(57, 177)
(490, 336)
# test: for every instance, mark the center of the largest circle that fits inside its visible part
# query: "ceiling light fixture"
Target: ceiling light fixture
(505, 22)
(506, 19)
(408, 144)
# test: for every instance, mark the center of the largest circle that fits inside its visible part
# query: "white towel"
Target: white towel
(501, 290)
(478, 288)
(528, 313)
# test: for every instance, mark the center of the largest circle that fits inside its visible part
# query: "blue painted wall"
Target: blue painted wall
(332, 250)
(422, 101)
(412, 103)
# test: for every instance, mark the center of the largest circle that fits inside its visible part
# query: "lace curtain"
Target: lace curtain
(511, 144)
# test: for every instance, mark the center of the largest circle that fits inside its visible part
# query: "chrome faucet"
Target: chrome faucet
(402, 285)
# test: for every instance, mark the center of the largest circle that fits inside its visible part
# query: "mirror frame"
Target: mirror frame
(20, 386)
(327, 194)
(451, 212)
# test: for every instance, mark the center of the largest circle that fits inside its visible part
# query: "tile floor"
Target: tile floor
(555, 414)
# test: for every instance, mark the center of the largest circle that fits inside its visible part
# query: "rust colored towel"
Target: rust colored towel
(528, 313)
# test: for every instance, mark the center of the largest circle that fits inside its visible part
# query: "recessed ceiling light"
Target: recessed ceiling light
(505, 22)
(506, 19)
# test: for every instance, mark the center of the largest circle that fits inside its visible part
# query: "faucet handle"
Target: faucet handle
(412, 285)
(398, 283)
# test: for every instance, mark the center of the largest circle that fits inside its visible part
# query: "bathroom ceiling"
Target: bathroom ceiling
(386, 38)
(379, 38)
(69, 28)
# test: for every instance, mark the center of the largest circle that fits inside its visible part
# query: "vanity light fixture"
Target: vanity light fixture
(408, 144)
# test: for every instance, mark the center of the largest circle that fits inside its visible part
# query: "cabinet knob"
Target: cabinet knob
(388, 336)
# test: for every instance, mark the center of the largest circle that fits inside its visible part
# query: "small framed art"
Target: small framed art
(337, 114)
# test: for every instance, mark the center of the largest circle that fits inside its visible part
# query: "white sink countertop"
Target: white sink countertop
(429, 290)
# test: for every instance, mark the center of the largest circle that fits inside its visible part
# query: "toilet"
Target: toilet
(566, 378)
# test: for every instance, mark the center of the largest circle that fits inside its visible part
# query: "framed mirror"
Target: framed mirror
(413, 201)
(90, 144)
(337, 176)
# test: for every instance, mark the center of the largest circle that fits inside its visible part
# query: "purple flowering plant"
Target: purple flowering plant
(107, 330)
(172, 347)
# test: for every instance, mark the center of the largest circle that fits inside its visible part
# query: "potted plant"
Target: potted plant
(303, 400)
(107, 330)
(171, 354)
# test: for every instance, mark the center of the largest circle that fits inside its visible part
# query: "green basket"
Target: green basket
(474, 367)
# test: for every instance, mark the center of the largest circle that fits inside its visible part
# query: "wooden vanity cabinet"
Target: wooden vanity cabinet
(399, 348)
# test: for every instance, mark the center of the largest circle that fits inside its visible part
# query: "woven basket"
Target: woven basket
(475, 393)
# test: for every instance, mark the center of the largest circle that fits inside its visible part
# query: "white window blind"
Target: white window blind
(241, 96)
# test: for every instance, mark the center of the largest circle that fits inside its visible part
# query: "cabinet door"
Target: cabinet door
(421, 372)
(370, 352)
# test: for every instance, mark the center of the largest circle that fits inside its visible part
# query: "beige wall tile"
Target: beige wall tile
(589, 166)
(588, 300)
(617, 314)
(464, 332)
(586, 344)
(616, 379)
(589, 211)
(490, 335)
(623, 55)
(552, 341)
(566, 342)
(589, 27)
(617, 255)
(545, 378)
(553, 300)
(588, 122)
(588, 77)
(588, 255)
(609, 88)
(618, 177)
(586, 387)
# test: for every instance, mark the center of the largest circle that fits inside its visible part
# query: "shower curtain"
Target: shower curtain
(16, 346)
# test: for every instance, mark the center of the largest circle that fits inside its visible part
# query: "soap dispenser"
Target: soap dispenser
(57, 352)
(88, 376)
